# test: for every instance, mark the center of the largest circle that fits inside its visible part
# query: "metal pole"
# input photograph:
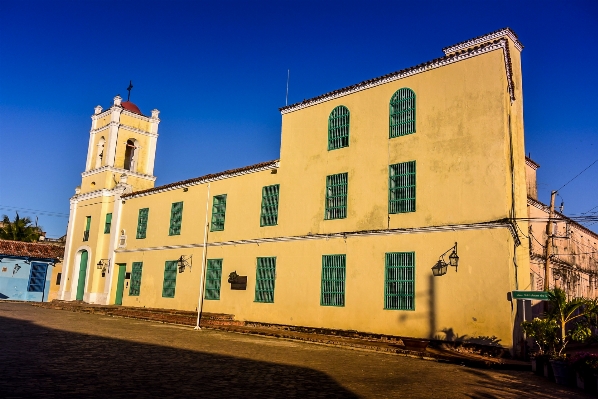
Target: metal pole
(548, 243)
(203, 263)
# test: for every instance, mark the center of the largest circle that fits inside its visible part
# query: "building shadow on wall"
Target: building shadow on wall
(39, 362)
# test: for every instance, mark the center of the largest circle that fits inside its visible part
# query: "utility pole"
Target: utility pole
(548, 242)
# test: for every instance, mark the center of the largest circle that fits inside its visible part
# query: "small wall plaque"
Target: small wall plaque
(237, 282)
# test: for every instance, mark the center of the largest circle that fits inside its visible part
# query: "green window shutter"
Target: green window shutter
(108, 223)
(402, 113)
(264, 280)
(176, 218)
(213, 279)
(336, 196)
(399, 281)
(401, 187)
(135, 286)
(87, 227)
(170, 272)
(269, 215)
(142, 223)
(218, 213)
(338, 128)
(333, 280)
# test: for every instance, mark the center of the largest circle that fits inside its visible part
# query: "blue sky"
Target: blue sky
(217, 72)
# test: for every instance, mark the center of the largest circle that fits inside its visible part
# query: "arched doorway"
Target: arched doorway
(82, 275)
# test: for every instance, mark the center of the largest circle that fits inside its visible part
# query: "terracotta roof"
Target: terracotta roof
(204, 179)
(422, 67)
(129, 106)
(31, 249)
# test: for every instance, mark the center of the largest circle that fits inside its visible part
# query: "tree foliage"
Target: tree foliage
(19, 229)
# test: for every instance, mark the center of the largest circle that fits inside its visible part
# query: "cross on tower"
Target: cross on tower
(129, 89)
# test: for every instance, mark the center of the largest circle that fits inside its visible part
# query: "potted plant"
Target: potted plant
(564, 312)
(544, 333)
(585, 366)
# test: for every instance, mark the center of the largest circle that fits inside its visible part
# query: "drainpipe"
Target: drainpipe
(203, 263)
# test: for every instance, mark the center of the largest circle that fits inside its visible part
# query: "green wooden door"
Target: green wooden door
(120, 285)
(82, 274)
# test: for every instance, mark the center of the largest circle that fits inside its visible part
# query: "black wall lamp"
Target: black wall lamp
(184, 262)
(441, 267)
(103, 264)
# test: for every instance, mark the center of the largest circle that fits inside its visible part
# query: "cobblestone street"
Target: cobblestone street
(52, 353)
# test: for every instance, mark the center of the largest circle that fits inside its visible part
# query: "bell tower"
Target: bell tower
(122, 141)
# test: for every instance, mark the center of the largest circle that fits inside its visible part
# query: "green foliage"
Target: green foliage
(20, 229)
(544, 332)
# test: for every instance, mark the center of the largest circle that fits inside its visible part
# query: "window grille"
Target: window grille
(264, 281)
(338, 128)
(135, 286)
(333, 280)
(170, 272)
(176, 218)
(213, 279)
(399, 284)
(336, 196)
(108, 223)
(87, 227)
(401, 187)
(402, 113)
(218, 212)
(269, 215)
(142, 223)
(37, 277)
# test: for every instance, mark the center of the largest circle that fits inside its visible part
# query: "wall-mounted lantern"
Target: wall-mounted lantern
(184, 262)
(237, 282)
(441, 267)
(16, 269)
(103, 264)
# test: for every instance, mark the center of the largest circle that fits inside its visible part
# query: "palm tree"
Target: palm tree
(20, 229)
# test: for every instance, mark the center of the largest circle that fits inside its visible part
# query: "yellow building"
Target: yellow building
(375, 183)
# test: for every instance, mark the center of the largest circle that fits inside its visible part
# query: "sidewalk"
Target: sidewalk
(436, 351)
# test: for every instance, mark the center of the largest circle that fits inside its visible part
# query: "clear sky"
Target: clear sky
(217, 71)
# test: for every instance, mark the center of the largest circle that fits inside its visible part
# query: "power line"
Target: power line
(41, 212)
(578, 174)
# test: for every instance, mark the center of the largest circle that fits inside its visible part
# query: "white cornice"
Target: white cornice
(93, 194)
(137, 116)
(343, 235)
(112, 169)
(208, 179)
(428, 66)
(482, 39)
(139, 131)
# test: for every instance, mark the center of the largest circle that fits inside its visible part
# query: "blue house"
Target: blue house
(26, 269)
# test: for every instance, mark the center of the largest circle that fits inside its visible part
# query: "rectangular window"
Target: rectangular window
(135, 286)
(176, 218)
(58, 277)
(87, 227)
(399, 281)
(213, 279)
(264, 280)
(336, 196)
(269, 216)
(37, 277)
(218, 213)
(170, 272)
(333, 280)
(401, 187)
(142, 223)
(108, 223)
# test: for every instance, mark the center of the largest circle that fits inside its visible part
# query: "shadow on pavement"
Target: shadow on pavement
(36, 362)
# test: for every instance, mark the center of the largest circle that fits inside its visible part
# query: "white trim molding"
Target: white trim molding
(485, 38)
(119, 171)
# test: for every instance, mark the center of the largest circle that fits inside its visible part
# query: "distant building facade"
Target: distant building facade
(29, 271)
(574, 248)
(375, 182)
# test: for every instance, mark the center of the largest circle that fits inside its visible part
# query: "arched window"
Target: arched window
(402, 113)
(338, 128)
(100, 152)
(131, 155)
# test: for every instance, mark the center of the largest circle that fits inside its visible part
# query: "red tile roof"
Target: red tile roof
(31, 249)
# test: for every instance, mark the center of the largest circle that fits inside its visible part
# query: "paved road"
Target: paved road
(53, 353)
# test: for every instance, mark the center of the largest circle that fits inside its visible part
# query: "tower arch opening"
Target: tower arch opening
(131, 155)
